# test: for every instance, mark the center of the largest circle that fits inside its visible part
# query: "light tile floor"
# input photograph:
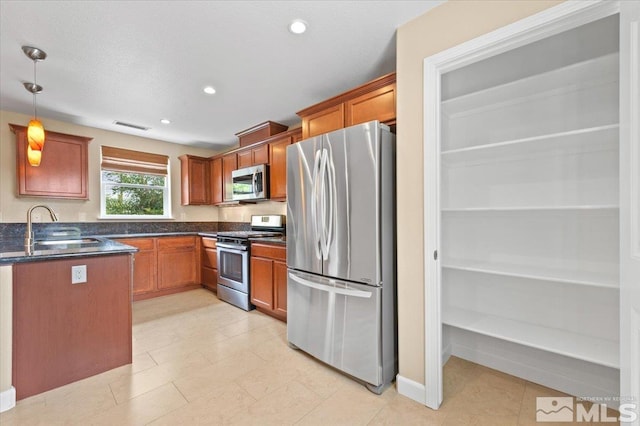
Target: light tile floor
(199, 361)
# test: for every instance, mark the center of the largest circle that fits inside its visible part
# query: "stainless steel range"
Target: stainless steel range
(233, 258)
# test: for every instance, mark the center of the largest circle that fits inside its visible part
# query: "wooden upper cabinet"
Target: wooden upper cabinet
(195, 180)
(375, 100)
(253, 156)
(324, 121)
(260, 154)
(378, 105)
(244, 158)
(229, 164)
(278, 164)
(63, 172)
(216, 180)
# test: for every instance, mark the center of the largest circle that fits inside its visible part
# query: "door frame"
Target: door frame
(544, 24)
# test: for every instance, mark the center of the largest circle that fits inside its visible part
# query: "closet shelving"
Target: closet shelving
(529, 206)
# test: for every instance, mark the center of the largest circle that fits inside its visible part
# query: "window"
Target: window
(134, 185)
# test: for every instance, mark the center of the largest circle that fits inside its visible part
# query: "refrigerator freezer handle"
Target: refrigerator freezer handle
(331, 289)
(331, 175)
(314, 206)
(324, 194)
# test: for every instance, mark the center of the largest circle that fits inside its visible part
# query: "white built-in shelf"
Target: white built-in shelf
(597, 71)
(590, 139)
(592, 349)
(604, 279)
(532, 208)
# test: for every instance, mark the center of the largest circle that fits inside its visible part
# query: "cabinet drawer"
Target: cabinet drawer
(175, 242)
(276, 252)
(209, 242)
(210, 258)
(139, 243)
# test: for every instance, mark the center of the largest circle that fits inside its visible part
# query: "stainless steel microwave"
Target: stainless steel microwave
(251, 183)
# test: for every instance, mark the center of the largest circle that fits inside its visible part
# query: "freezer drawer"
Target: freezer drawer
(336, 322)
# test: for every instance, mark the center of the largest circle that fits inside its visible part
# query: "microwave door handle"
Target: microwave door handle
(254, 183)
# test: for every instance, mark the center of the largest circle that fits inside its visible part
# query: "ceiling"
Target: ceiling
(141, 61)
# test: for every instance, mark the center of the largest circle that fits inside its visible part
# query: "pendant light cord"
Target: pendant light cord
(35, 89)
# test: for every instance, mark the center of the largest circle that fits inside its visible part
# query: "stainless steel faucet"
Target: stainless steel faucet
(28, 235)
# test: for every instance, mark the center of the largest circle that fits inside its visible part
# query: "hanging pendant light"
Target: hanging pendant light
(35, 131)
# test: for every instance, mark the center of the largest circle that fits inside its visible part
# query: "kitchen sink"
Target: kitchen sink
(81, 241)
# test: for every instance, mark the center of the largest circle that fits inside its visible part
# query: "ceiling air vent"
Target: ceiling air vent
(132, 126)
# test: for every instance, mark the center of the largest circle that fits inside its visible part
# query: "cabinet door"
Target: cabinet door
(210, 257)
(378, 105)
(280, 289)
(144, 264)
(323, 121)
(177, 262)
(210, 278)
(195, 180)
(260, 155)
(229, 164)
(244, 158)
(63, 170)
(262, 282)
(216, 180)
(278, 168)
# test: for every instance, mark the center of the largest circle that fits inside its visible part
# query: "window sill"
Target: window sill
(136, 217)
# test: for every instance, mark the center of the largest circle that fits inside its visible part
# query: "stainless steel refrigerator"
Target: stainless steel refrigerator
(341, 283)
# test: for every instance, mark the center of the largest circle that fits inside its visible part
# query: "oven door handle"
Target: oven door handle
(232, 247)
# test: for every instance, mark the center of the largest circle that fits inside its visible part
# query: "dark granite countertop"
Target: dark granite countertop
(280, 241)
(160, 234)
(12, 250)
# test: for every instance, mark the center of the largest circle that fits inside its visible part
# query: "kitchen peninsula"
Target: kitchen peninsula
(71, 310)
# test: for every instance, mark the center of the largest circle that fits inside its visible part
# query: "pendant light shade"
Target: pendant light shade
(34, 156)
(35, 131)
(35, 135)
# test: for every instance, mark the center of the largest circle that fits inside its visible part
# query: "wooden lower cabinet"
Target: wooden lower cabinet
(178, 262)
(164, 265)
(145, 264)
(269, 279)
(64, 332)
(209, 263)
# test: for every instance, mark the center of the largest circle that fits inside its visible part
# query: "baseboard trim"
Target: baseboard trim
(7, 399)
(411, 389)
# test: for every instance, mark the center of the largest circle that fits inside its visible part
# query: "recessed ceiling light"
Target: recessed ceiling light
(165, 121)
(209, 90)
(298, 26)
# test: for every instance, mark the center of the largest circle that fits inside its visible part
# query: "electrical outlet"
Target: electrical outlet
(78, 274)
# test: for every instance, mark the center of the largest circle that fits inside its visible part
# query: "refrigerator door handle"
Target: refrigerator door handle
(330, 289)
(314, 206)
(324, 244)
(331, 178)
